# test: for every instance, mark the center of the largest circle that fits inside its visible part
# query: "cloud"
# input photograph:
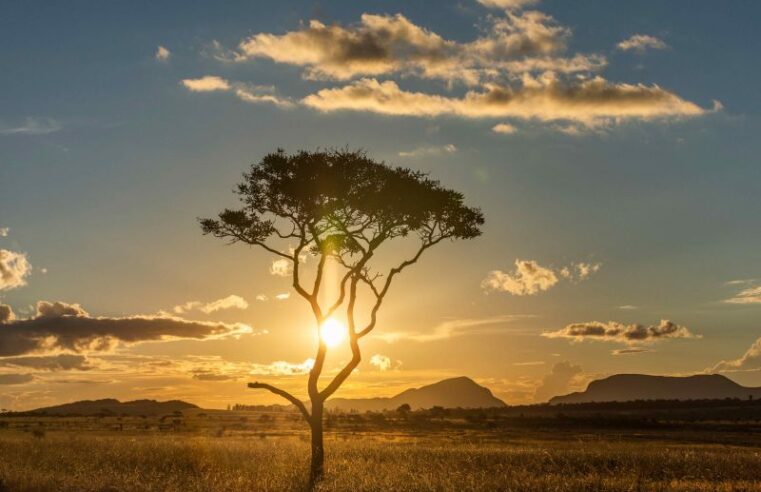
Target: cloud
(749, 361)
(230, 302)
(529, 363)
(60, 362)
(6, 314)
(379, 44)
(14, 268)
(641, 43)
(508, 4)
(628, 307)
(622, 333)
(433, 150)
(4, 231)
(262, 297)
(33, 126)
(449, 329)
(633, 350)
(518, 67)
(281, 268)
(61, 327)
(504, 128)
(208, 83)
(162, 54)
(381, 362)
(559, 381)
(15, 378)
(751, 295)
(282, 368)
(283, 296)
(249, 93)
(591, 102)
(211, 376)
(529, 278)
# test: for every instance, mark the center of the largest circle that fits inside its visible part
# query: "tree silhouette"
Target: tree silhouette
(340, 206)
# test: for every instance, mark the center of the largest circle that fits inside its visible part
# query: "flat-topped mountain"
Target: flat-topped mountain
(110, 406)
(459, 392)
(628, 387)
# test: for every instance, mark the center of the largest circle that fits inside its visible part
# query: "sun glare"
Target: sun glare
(332, 332)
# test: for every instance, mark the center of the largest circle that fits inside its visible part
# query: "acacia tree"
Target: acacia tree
(340, 206)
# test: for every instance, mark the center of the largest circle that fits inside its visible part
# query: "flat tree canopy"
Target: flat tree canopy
(340, 205)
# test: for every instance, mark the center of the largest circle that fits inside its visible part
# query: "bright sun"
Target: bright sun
(332, 332)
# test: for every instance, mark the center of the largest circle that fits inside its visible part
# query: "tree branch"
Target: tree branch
(295, 401)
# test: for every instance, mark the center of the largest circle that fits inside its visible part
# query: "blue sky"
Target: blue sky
(106, 160)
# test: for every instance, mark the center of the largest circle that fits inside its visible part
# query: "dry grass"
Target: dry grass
(90, 462)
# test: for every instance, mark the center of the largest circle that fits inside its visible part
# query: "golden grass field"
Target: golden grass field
(116, 454)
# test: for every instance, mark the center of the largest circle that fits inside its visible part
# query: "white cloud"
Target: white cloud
(33, 126)
(262, 297)
(283, 296)
(163, 54)
(504, 128)
(628, 307)
(229, 302)
(529, 278)
(208, 83)
(613, 331)
(749, 361)
(592, 102)
(14, 269)
(641, 43)
(432, 150)
(381, 362)
(518, 69)
(4, 231)
(750, 295)
(282, 368)
(507, 4)
(281, 267)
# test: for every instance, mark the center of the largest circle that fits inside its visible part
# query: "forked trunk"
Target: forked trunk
(318, 451)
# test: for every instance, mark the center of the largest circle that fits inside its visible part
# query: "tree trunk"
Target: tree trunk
(318, 451)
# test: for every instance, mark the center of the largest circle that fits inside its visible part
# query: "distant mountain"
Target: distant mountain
(115, 407)
(450, 393)
(627, 387)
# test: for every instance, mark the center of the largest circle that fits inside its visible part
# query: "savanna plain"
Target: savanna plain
(437, 449)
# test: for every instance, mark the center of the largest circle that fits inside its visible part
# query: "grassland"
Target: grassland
(233, 452)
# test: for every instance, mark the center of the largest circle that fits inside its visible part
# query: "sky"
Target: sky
(612, 149)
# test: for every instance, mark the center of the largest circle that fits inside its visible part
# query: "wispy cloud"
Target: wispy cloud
(282, 368)
(4, 231)
(230, 302)
(508, 4)
(749, 361)
(245, 92)
(641, 43)
(450, 328)
(430, 150)
(750, 295)
(32, 126)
